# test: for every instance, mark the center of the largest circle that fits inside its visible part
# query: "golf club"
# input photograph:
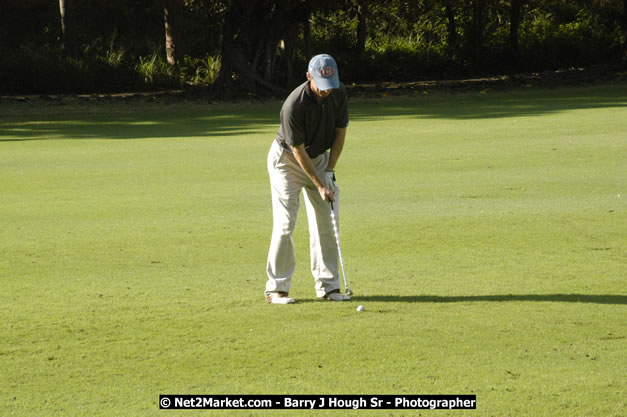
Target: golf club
(348, 291)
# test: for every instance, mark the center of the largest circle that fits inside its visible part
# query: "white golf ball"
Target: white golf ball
(360, 308)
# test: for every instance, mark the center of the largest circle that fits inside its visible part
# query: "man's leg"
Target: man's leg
(323, 247)
(285, 183)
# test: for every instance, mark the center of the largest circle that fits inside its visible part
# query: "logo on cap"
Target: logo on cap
(326, 72)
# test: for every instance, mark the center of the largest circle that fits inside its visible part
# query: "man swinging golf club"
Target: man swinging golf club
(303, 157)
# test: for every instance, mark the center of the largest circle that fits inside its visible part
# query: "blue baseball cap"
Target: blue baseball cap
(323, 70)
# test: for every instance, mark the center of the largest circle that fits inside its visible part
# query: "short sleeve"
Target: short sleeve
(293, 125)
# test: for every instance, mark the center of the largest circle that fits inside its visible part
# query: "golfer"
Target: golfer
(303, 157)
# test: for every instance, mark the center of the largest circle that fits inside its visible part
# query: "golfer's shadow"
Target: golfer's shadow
(563, 298)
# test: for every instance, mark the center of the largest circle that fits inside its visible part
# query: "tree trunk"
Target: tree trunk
(288, 49)
(66, 26)
(476, 32)
(362, 26)
(62, 4)
(513, 30)
(228, 44)
(451, 26)
(278, 26)
(173, 47)
(307, 32)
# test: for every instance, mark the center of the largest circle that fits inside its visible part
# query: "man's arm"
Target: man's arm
(336, 148)
(305, 162)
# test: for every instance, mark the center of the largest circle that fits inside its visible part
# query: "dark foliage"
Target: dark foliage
(260, 46)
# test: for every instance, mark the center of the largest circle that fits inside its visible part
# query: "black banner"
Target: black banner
(318, 402)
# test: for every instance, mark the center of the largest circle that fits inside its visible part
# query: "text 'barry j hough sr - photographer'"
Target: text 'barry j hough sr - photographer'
(318, 402)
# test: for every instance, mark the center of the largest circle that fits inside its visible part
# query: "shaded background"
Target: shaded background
(260, 46)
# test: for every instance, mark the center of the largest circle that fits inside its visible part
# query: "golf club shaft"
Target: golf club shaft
(337, 240)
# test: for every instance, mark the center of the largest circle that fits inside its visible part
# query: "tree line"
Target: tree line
(263, 46)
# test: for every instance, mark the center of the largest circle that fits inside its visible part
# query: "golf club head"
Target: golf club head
(349, 292)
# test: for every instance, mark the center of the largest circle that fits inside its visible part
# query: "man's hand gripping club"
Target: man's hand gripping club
(305, 162)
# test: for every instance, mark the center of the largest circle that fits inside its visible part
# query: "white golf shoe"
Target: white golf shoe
(337, 296)
(279, 298)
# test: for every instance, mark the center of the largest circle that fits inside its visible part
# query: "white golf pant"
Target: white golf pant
(287, 179)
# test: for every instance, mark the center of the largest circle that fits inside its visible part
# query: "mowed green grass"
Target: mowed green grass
(485, 234)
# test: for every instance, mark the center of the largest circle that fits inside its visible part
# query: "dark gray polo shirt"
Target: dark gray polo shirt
(304, 120)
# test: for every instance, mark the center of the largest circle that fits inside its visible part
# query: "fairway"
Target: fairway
(485, 235)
